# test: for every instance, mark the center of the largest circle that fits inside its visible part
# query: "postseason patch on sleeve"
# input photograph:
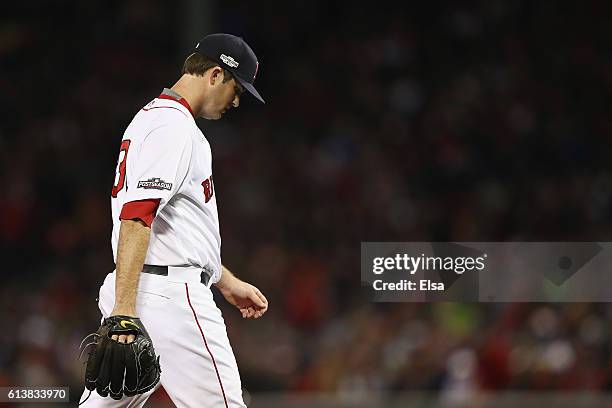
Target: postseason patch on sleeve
(154, 183)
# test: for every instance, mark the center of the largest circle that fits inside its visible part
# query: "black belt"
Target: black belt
(163, 271)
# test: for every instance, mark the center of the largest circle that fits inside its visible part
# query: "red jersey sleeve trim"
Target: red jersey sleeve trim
(144, 210)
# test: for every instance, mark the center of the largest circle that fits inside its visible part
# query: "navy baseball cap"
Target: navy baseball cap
(235, 55)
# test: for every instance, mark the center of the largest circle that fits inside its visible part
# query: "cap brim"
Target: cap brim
(249, 87)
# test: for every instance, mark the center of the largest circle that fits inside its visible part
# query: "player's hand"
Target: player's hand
(123, 338)
(246, 297)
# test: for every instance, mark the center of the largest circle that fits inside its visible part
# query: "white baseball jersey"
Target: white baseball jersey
(165, 156)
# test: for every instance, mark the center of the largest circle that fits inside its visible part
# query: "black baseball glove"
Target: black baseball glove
(118, 369)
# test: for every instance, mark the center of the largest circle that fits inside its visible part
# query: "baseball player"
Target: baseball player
(166, 241)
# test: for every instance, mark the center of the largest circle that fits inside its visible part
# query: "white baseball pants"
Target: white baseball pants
(188, 332)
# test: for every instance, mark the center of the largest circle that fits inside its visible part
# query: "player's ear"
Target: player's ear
(216, 74)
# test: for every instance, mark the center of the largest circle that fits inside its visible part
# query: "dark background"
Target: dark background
(439, 121)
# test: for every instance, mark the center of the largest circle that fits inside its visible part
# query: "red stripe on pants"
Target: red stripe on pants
(206, 344)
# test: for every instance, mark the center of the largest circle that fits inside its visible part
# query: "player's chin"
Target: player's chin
(213, 116)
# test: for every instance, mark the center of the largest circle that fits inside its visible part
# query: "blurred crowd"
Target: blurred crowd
(485, 121)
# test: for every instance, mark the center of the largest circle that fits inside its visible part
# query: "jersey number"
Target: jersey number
(120, 173)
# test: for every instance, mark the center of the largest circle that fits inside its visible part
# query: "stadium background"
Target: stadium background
(439, 121)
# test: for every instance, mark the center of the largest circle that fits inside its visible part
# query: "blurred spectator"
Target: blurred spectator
(482, 121)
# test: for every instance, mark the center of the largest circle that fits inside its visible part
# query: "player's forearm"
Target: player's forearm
(131, 251)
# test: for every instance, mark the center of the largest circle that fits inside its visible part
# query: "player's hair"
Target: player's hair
(197, 64)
